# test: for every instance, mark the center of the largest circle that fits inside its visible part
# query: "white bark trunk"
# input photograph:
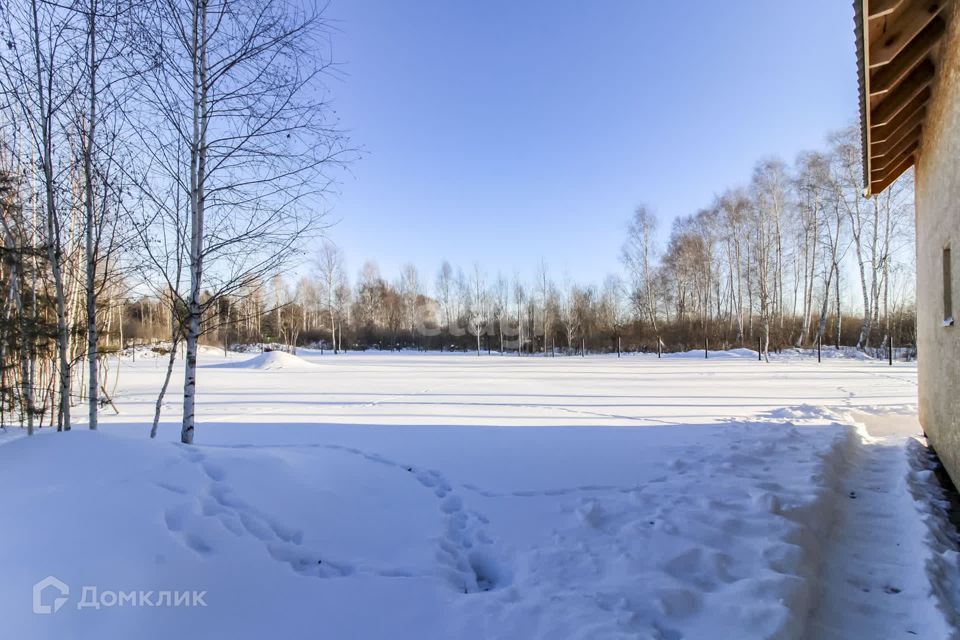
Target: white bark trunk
(198, 152)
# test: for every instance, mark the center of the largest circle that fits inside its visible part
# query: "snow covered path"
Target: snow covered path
(401, 496)
(872, 585)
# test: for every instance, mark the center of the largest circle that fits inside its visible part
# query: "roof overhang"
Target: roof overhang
(897, 53)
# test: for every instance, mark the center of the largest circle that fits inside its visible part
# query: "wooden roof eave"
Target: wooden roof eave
(896, 53)
(860, 30)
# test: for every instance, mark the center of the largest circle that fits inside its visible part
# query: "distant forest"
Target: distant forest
(768, 265)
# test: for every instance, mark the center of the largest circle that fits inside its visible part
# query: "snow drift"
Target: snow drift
(269, 361)
(724, 354)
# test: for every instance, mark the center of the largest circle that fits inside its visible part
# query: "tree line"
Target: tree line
(795, 257)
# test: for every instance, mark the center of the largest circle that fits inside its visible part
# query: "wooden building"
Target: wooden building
(908, 55)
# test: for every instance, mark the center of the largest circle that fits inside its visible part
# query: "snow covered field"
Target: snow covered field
(454, 496)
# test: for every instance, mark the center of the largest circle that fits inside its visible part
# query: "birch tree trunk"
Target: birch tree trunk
(198, 153)
(836, 269)
(16, 293)
(54, 248)
(90, 224)
(171, 358)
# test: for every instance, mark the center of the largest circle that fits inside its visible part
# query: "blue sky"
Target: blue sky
(507, 131)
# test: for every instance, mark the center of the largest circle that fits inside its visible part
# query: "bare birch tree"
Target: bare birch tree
(330, 272)
(41, 80)
(638, 255)
(237, 87)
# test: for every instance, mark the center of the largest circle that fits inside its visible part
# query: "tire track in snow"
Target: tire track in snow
(401, 396)
(614, 416)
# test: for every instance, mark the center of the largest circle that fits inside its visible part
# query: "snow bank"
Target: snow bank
(718, 355)
(831, 353)
(209, 350)
(8, 434)
(269, 361)
(826, 352)
(938, 533)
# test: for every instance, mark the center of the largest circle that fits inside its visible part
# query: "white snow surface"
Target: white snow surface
(268, 361)
(438, 497)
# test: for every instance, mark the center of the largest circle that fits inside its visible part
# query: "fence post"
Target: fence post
(659, 347)
(759, 350)
(890, 349)
(819, 343)
(706, 351)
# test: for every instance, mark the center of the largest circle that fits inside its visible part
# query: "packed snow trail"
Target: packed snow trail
(873, 583)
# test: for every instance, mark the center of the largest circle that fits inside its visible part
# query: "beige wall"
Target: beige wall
(938, 225)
